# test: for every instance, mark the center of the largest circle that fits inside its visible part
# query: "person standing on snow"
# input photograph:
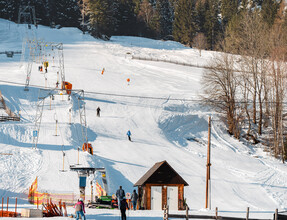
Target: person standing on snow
(124, 206)
(120, 195)
(80, 209)
(98, 111)
(129, 135)
(134, 199)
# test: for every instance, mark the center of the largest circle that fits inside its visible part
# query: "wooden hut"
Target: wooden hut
(161, 185)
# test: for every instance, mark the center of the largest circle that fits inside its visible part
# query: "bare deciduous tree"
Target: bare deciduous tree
(249, 40)
(278, 81)
(220, 88)
(200, 42)
(146, 12)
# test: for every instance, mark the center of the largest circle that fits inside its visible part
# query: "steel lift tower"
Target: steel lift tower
(35, 48)
(27, 15)
(78, 97)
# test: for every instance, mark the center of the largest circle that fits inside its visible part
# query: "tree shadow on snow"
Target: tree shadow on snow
(77, 136)
(114, 177)
(22, 198)
(14, 94)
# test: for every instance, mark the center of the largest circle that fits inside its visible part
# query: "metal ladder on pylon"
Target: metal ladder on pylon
(43, 94)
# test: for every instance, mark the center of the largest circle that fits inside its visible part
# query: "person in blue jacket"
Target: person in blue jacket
(129, 135)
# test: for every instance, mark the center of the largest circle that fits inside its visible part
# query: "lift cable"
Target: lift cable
(136, 96)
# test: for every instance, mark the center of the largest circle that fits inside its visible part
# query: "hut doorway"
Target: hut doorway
(156, 198)
(172, 197)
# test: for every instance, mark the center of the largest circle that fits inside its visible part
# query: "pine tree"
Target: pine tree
(201, 8)
(166, 17)
(125, 18)
(184, 26)
(102, 17)
(212, 25)
(229, 8)
(68, 13)
(9, 10)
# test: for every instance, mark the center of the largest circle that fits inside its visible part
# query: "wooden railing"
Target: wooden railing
(167, 215)
(9, 118)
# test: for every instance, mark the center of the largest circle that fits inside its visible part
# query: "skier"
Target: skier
(80, 209)
(124, 206)
(120, 195)
(134, 199)
(129, 135)
(98, 111)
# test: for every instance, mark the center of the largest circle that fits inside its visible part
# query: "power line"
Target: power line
(142, 97)
(112, 94)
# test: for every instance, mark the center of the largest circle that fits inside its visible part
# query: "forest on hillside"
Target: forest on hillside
(195, 23)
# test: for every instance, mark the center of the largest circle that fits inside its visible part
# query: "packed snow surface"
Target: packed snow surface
(160, 106)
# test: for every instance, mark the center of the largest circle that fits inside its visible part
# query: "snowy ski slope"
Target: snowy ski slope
(163, 126)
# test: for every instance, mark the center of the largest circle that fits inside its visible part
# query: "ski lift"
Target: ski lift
(63, 170)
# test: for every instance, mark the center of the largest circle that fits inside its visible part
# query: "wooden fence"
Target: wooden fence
(11, 115)
(6, 213)
(8, 118)
(167, 215)
(169, 61)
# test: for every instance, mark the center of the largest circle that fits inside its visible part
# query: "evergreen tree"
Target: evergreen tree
(184, 26)
(201, 8)
(68, 13)
(166, 16)
(9, 9)
(102, 17)
(125, 18)
(229, 8)
(212, 25)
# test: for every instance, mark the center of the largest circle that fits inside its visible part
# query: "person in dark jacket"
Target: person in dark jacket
(98, 111)
(124, 206)
(134, 199)
(80, 209)
(129, 135)
(120, 195)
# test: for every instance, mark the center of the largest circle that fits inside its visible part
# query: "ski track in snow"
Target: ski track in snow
(163, 129)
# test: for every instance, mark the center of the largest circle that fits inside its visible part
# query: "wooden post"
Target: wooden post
(186, 213)
(276, 215)
(63, 161)
(92, 191)
(165, 213)
(247, 213)
(207, 198)
(70, 116)
(56, 127)
(78, 155)
(16, 207)
(7, 203)
(216, 213)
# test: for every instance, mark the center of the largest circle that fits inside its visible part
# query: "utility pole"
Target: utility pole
(208, 182)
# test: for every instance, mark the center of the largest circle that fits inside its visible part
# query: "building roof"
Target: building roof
(161, 173)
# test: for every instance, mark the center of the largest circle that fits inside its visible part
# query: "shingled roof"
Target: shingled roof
(161, 173)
